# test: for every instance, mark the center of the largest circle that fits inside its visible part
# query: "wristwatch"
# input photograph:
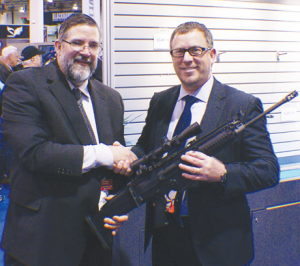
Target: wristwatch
(223, 177)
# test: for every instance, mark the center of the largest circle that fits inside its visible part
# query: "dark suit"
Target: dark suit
(5, 72)
(219, 216)
(49, 195)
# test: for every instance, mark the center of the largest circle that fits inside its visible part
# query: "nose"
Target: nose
(187, 57)
(85, 50)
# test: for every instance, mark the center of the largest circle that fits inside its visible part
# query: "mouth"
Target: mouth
(188, 69)
(82, 61)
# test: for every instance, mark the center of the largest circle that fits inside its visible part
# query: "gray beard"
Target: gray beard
(77, 73)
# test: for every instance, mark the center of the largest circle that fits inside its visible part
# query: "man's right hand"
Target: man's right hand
(123, 157)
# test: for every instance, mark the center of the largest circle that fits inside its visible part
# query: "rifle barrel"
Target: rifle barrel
(287, 98)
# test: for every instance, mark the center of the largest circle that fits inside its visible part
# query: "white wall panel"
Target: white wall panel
(213, 23)
(205, 11)
(226, 56)
(167, 68)
(156, 80)
(258, 46)
(233, 45)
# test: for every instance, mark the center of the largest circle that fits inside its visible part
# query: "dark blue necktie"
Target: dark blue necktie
(78, 95)
(186, 116)
(183, 122)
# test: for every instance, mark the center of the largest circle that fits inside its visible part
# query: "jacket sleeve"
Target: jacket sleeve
(254, 165)
(29, 134)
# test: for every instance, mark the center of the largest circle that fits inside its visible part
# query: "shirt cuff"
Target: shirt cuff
(97, 155)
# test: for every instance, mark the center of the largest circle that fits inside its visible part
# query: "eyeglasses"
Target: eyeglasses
(193, 51)
(79, 46)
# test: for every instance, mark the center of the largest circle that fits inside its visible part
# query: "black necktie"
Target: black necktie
(78, 95)
(183, 122)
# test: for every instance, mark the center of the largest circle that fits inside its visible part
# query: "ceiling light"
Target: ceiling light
(75, 7)
(22, 9)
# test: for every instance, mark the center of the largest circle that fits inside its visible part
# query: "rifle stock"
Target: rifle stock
(157, 175)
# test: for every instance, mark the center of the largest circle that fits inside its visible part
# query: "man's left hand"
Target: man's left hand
(115, 222)
(202, 168)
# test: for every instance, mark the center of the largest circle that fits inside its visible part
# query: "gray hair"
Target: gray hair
(7, 51)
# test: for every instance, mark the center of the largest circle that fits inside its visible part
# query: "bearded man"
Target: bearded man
(66, 131)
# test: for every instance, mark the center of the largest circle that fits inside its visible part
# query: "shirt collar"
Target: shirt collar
(202, 93)
(83, 87)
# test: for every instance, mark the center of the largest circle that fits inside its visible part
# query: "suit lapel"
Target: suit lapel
(214, 108)
(101, 111)
(62, 92)
(166, 111)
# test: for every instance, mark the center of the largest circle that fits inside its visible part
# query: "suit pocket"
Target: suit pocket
(26, 199)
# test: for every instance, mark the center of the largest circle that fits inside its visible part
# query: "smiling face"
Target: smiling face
(192, 71)
(78, 66)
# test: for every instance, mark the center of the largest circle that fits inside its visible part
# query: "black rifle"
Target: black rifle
(157, 175)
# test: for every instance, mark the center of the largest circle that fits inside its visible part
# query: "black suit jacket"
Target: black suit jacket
(46, 130)
(219, 216)
(5, 72)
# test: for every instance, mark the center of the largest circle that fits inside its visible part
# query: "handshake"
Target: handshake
(123, 157)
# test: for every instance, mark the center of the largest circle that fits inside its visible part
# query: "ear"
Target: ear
(58, 47)
(10, 57)
(213, 56)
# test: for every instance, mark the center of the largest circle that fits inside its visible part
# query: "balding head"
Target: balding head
(10, 56)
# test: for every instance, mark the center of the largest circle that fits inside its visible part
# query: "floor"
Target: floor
(4, 191)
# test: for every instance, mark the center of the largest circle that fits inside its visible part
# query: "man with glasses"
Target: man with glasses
(209, 224)
(66, 133)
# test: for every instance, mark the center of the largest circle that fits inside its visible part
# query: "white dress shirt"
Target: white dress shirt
(197, 109)
(94, 155)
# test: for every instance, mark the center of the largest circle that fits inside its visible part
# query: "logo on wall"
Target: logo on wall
(61, 16)
(14, 31)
